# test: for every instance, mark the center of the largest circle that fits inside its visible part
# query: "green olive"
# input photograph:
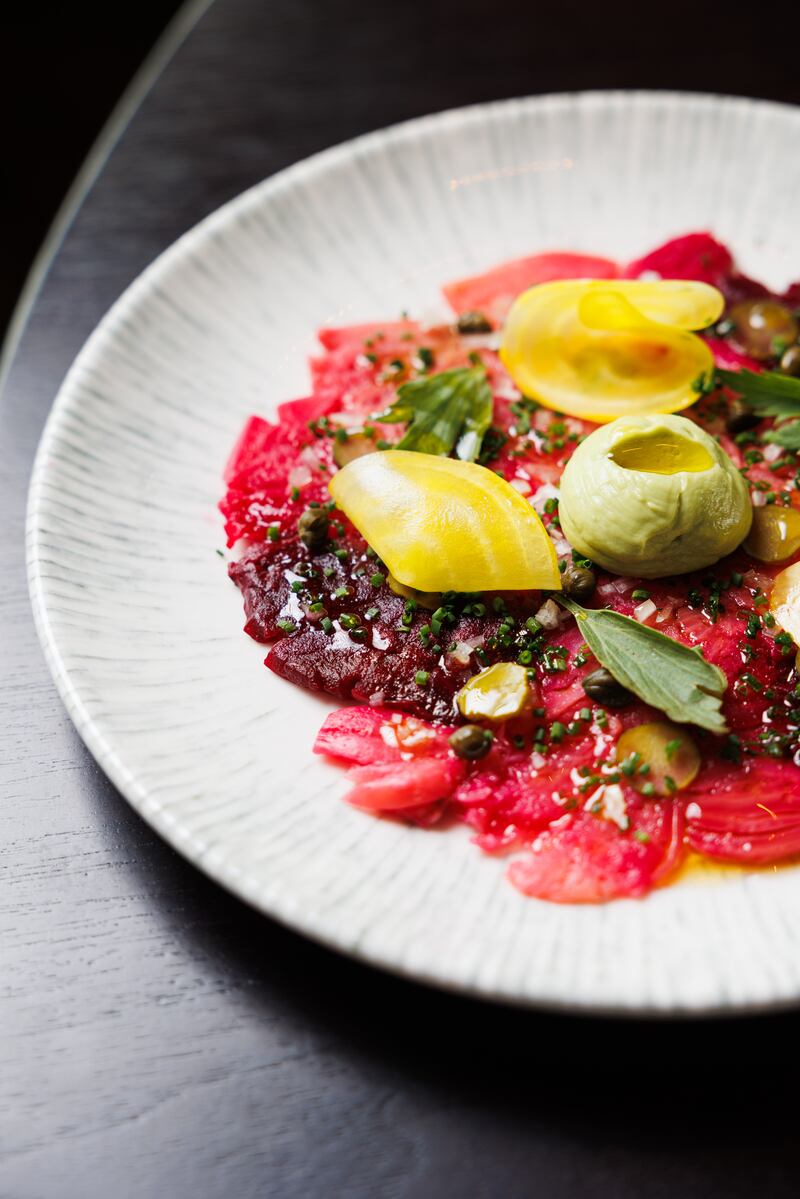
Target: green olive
(763, 328)
(774, 535)
(790, 361)
(312, 527)
(496, 694)
(471, 742)
(352, 445)
(578, 582)
(658, 758)
(473, 322)
(602, 687)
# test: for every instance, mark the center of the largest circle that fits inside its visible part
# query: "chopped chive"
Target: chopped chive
(671, 748)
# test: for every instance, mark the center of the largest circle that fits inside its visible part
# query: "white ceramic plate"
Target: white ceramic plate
(142, 628)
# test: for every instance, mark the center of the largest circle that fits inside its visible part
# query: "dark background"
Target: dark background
(157, 1038)
(64, 66)
(62, 69)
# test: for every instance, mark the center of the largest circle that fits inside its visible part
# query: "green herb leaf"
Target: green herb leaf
(447, 412)
(768, 393)
(787, 435)
(672, 677)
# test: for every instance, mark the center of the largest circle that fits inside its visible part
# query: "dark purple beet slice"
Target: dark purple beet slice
(380, 669)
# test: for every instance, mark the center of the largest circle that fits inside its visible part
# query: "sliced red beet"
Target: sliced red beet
(387, 786)
(369, 736)
(252, 445)
(511, 796)
(729, 358)
(493, 292)
(382, 668)
(749, 813)
(366, 336)
(294, 416)
(402, 765)
(584, 858)
(694, 256)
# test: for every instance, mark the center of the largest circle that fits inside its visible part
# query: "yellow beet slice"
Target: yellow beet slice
(599, 349)
(658, 758)
(784, 602)
(444, 525)
(496, 694)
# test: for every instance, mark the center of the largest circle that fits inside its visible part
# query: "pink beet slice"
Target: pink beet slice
(583, 858)
(393, 786)
(369, 736)
(386, 334)
(747, 814)
(493, 292)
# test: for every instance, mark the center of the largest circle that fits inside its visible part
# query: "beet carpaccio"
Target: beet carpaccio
(547, 553)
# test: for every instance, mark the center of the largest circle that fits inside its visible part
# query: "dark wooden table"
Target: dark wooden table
(160, 1039)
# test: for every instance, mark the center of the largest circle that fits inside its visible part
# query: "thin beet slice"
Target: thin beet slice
(747, 814)
(369, 736)
(693, 256)
(583, 858)
(387, 786)
(493, 292)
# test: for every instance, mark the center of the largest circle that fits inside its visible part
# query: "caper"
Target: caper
(312, 527)
(352, 445)
(578, 582)
(471, 742)
(764, 328)
(790, 361)
(741, 418)
(601, 686)
(473, 322)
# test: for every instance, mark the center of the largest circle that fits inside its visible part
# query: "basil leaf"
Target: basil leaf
(787, 435)
(662, 672)
(447, 412)
(768, 393)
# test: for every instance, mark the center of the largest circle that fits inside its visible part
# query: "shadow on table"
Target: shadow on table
(513, 1059)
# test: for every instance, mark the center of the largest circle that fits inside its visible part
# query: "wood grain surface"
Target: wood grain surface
(158, 1038)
